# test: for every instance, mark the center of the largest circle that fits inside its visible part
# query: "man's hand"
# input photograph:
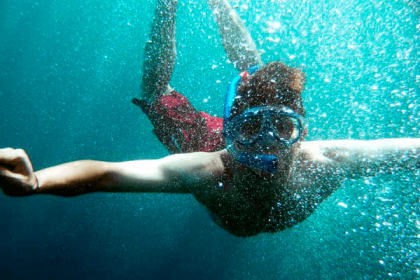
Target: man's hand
(17, 177)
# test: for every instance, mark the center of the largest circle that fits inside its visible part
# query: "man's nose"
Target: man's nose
(267, 134)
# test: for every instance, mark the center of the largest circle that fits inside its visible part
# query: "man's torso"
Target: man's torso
(245, 205)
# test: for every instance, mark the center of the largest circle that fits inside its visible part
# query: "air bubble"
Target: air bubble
(342, 204)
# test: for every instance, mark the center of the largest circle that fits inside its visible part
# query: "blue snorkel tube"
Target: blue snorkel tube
(231, 94)
(266, 163)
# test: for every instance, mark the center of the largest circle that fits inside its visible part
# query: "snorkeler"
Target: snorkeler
(251, 168)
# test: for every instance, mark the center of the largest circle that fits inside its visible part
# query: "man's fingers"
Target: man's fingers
(4, 172)
(16, 174)
(14, 184)
(15, 166)
(6, 176)
(10, 156)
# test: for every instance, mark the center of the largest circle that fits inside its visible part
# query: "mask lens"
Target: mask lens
(274, 123)
(287, 127)
(247, 130)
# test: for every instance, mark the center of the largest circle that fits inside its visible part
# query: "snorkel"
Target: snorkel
(266, 163)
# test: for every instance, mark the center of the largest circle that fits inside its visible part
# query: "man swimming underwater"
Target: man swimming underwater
(251, 169)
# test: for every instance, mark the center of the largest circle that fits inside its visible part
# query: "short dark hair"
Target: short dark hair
(275, 83)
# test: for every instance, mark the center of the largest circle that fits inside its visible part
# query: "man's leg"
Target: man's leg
(160, 52)
(236, 40)
(177, 124)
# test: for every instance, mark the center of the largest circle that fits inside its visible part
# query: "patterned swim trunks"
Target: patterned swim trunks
(180, 127)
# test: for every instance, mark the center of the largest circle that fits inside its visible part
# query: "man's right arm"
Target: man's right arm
(86, 176)
(179, 173)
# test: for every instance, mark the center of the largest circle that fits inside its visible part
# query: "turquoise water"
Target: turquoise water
(68, 71)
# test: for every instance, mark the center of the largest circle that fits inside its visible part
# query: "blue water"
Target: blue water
(68, 71)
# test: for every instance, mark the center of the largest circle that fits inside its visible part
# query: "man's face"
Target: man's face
(264, 138)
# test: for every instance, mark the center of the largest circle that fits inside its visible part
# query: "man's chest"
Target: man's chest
(238, 207)
(242, 205)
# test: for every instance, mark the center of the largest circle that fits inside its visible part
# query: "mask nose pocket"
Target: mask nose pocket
(267, 133)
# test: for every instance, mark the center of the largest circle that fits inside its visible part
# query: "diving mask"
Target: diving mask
(277, 124)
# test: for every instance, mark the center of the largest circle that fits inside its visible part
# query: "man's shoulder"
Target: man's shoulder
(202, 166)
(208, 159)
(198, 157)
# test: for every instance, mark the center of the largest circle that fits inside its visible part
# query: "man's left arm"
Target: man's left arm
(160, 52)
(236, 39)
(357, 158)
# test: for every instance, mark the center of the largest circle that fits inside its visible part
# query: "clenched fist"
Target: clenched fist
(17, 177)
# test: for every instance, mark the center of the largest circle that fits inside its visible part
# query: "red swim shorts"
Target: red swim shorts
(180, 127)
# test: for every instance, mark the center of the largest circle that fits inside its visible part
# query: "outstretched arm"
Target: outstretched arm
(181, 173)
(357, 158)
(236, 40)
(160, 51)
